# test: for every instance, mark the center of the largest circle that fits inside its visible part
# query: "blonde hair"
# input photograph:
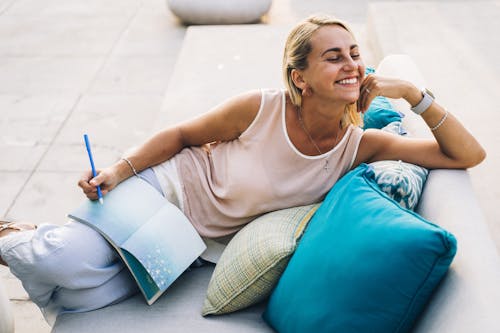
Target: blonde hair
(297, 48)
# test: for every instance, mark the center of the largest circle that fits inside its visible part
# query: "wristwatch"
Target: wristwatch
(425, 102)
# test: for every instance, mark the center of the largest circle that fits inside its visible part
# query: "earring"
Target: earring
(307, 91)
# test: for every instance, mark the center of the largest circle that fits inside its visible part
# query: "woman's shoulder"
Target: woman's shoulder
(264, 106)
(372, 142)
(244, 106)
(257, 100)
(250, 98)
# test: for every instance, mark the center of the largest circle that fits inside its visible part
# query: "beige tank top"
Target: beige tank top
(225, 185)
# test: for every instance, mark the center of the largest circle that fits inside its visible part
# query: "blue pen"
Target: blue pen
(94, 173)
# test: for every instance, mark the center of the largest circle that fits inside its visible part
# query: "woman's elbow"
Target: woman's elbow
(481, 156)
(475, 158)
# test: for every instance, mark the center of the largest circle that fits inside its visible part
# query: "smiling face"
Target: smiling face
(334, 66)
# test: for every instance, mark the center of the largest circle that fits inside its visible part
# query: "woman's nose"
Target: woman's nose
(350, 64)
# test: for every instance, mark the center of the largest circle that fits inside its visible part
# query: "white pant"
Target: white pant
(69, 268)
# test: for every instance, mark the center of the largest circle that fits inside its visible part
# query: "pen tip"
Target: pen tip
(101, 201)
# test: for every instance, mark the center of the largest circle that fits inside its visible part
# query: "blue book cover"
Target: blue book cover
(153, 237)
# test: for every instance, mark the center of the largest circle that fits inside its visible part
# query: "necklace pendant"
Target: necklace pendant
(326, 167)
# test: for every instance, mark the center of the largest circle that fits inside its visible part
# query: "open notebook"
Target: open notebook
(153, 237)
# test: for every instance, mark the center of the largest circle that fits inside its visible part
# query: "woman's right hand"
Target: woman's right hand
(375, 85)
(106, 178)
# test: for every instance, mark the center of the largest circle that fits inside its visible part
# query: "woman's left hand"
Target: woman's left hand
(453, 147)
(374, 85)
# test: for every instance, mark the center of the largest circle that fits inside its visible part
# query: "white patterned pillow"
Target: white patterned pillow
(401, 181)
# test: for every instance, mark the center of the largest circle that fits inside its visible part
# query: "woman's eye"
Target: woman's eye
(335, 59)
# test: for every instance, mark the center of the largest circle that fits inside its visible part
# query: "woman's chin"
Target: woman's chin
(352, 97)
(347, 98)
(352, 100)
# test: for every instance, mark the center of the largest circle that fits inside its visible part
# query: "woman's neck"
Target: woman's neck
(321, 118)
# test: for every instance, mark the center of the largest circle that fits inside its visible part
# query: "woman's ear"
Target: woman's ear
(298, 79)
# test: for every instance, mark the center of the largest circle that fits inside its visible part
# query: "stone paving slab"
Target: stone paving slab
(28, 126)
(107, 8)
(28, 318)
(47, 198)
(12, 285)
(47, 75)
(4, 4)
(71, 157)
(114, 123)
(12, 184)
(150, 33)
(47, 36)
(21, 157)
(114, 120)
(133, 75)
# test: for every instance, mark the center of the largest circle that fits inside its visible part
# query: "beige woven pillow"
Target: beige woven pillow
(254, 260)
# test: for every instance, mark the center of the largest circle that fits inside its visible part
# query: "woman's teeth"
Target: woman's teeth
(348, 81)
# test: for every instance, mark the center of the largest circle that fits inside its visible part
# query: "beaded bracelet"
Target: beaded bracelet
(441, 121)
(131, 166)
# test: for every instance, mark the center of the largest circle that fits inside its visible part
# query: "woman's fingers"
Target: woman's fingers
(94, 196)
(373, 86)
(83, 182)
(101, 179)
(368, 92)
(88, 184)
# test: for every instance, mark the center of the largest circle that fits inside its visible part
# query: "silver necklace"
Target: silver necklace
(326, 167)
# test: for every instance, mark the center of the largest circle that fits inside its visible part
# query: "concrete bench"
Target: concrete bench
(248, 57)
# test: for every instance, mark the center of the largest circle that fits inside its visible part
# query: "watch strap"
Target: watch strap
(424, 103)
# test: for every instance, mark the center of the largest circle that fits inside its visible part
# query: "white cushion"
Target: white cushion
(219, 11)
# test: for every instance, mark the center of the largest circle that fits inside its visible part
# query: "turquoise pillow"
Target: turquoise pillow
(364, 264)
(380, 113)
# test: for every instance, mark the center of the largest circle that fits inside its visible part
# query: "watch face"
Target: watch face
(429, 92)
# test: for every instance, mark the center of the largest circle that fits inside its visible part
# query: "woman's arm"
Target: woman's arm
(453, 147)
(223, 123)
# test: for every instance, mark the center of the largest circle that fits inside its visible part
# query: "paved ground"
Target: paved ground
(102, 67)
(69, 67)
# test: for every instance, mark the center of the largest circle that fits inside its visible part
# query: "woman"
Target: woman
(257, 152)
